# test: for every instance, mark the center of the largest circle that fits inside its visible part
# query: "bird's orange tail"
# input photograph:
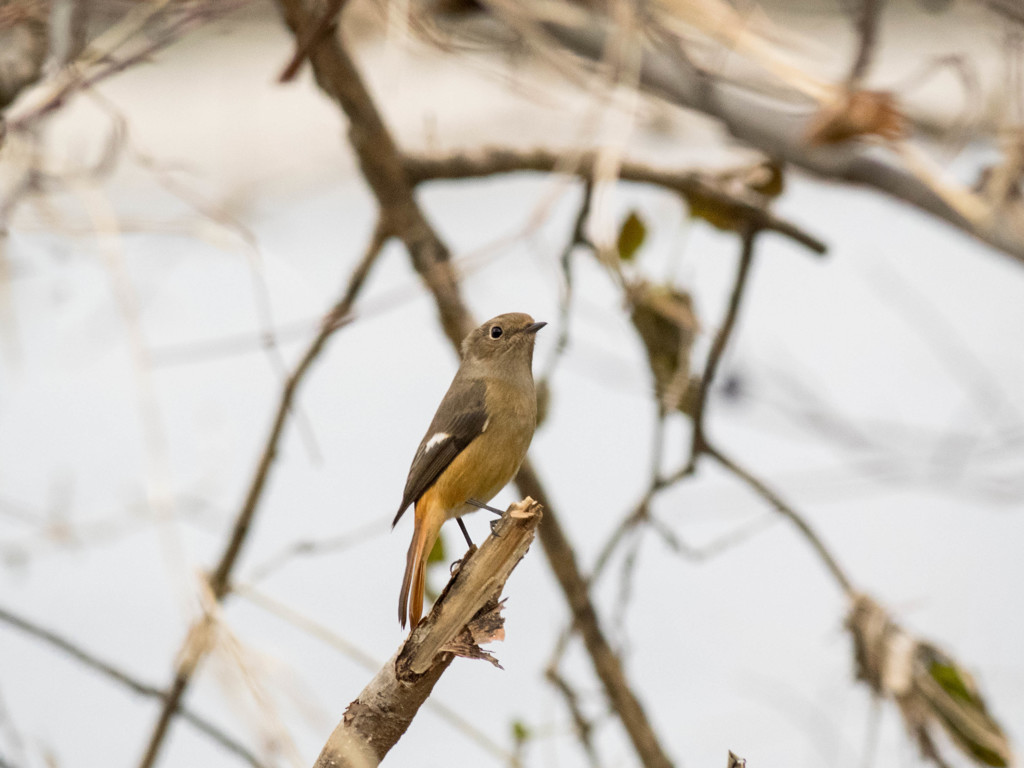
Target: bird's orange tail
(428, 526)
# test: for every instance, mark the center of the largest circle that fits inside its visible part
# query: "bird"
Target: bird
(475, 444)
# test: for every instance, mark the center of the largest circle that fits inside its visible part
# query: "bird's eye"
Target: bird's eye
(495, 331)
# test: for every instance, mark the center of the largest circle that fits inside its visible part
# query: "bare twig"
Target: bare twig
(584, 728)
(784, 509)
(336, 317)
(641, 511)
(195, 16)
(607, 664)
(110, 671)
(577, 238)
(721, 340)
(496, 160)
(867, 31)
(464, 616)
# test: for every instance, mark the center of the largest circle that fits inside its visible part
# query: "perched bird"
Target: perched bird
(475, 443)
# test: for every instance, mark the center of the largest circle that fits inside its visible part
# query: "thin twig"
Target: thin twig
(867, 31)
(584, 728)
(659, 483)
(720, 342)
(784, 509)
(335, 318)
(497, 160)
(576, 239)
(104, 668)
(190, 19)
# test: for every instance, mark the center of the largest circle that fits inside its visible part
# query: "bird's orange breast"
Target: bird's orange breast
(489, 462)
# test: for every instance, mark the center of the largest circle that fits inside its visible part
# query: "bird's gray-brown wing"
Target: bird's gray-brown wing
(459, 420)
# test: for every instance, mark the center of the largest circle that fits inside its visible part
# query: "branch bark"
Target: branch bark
(462, 617)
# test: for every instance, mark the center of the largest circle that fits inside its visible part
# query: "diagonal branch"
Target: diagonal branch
(143, 689)
(466, 615)
(338, 316)
(785, 510)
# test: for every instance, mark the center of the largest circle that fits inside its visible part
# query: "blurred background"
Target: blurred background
(175, 223)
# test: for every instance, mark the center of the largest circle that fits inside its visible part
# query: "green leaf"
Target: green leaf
(631, 236)
(437, 553)
(521, 731)
(948, 676)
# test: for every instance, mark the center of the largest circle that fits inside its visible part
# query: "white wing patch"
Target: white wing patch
(435, 439)
(484, 427)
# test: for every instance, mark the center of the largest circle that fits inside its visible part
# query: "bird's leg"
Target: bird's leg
(481, 505)
(462, 527)
(472, 548)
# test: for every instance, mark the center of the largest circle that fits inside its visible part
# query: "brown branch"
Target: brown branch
(338, 316)
(496, 160)
(326, 25)
(720, 342)
(607, 664)
(578, 238)
(381, 164)
(464, 616)
(867, 30)
(110, 671)
(784, 509)
(385, 171)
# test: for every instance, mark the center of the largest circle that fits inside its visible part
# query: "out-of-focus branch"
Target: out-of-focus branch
(867, 35)
(381, 164)
(562, 559)
(106, 65)
(23, 47)
(325, 25)
(83, 656)
(465, 615)
(385, 171)
(721, 340)
(784, 509)
(701, 445)
(496, 160)
(777, 125)
(336, 317)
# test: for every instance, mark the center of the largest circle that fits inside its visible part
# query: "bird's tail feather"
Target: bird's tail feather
(410, 602)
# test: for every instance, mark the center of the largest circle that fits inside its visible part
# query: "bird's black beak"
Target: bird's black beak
(533, 327)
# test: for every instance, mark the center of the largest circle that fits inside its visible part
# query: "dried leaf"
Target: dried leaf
(928, 685)
(857, 113)
(664, 318)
